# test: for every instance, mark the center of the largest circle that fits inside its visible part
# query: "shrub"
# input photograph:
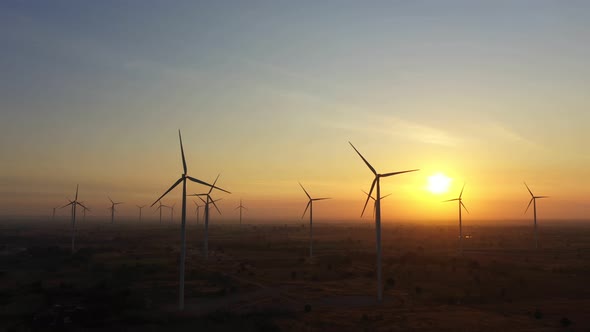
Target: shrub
(538, 314)
(307, 307)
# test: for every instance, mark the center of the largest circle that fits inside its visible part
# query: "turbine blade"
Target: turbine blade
(167, 191)
(304, 190)
(528, 206)
(110, 199)
(369, 196)
(67, 205)
(529, 189)
(206, 184)
(306, 207)
(363, 158)
(382, 197)
(461, 193)
(463, 205)
(201, 198)
(237, 208)
(182, 152)
(541, 196)
(450, 200)
(321, 199)
(214, 182)
(366, 193)
(215, 205)
(82, 206)
(396, 173)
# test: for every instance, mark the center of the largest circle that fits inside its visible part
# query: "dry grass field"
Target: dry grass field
(260, 278)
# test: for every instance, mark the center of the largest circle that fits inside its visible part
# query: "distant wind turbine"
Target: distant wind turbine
(310, 207)
(197, 211)
(373, 198)
(53, 214)
(377, 214)
(172, 212)
(183, 178)
(73, 205)
(461, 206)
(84, 209)
(207, 202)
(140, 207)
(241, 207)
(160, 207)
(534, 202)
(112, 208)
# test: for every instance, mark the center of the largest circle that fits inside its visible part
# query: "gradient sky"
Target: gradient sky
(491, 93)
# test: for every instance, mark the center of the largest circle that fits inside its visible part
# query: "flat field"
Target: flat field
(260, 278)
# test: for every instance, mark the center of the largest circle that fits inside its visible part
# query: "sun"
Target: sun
(438, 183)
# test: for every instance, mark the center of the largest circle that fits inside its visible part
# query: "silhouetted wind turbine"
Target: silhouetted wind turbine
(241, 207)
(53, 214)
(183, 178)
(140, 207)
(74, 204)
(461, 206)
(534, 201)
(377, 214)
(197, 209)
(373, 198)
(208, 201)
(84, 209)
(160, 208)
(112, 208)
(310, 207)
(172, 212)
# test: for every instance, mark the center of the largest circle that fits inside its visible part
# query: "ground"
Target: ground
(260, 278)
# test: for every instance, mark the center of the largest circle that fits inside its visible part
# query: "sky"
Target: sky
(269, 93)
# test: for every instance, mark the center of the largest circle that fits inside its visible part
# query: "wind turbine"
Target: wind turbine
(197, 211)
(461, 206)
(53, 214)
(140, 207)
(208, 201)
(183, 178)
(373, 198)
(73, 205)
(172, 212)
(310, 207)
(160, 206)
(84, 211)
(241, 207)
(534, 201)
(377, 214)
(112, 208)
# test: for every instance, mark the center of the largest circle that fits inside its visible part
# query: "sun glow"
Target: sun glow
(438, 183)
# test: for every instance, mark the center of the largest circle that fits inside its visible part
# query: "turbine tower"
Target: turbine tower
(241, 207)
(140, 207)
(84, 211)
(160, 207)
(534, 201)
(112, 208)
(197, 211)
(183, 178)
(461, 206)
(53, 214)
(207, 202)
(73, 205)
(376, 182)
(172, 212)
(310, 207)
(375, 202)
